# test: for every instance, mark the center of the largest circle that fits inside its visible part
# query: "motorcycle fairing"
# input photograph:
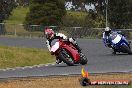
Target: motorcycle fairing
(116, 40)
(122, 41)
(74, 52)
(55, 47)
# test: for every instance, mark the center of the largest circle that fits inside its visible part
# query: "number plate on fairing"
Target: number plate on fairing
(116, 39)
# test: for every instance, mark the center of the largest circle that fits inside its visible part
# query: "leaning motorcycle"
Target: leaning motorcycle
(66, 52)
(119, 43)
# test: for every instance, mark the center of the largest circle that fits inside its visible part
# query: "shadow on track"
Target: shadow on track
(117, 54)
(122, 54)
(64, 65)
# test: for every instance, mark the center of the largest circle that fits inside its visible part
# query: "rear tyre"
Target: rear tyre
(83, 59)
(66, 58)
(126, 49)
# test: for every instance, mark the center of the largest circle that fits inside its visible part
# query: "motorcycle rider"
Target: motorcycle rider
(106, 35)
(106, 40)
(51, 35)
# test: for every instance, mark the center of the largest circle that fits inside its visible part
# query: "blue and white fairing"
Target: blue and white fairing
(117, 40)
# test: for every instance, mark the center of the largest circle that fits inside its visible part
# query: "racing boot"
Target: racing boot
(113, 51)
(58, 61)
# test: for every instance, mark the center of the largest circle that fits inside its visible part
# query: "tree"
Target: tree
(120, 13)
(22, 2)
(78, 5)
(45, 12)
(6, 6)
(77, 19)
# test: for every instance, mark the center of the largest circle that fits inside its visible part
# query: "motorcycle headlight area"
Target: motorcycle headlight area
(55, 47)
(117, 39)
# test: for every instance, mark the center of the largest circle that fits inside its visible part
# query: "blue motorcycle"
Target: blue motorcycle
(119, 43)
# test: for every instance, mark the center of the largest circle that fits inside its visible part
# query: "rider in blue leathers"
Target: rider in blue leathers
(106, 35)
(106, 40)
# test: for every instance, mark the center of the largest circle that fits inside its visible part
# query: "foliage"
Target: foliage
(99, 22)
(78, 4)
(95, 16)
(77, 19)
(45, 12)
(120, 13)
(6, 7)
(22, 2)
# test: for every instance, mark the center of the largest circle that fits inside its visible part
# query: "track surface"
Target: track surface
(100, 59)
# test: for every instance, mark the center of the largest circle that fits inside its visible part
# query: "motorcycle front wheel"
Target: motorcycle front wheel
(66, 57)
(126, 49)
(83, 59)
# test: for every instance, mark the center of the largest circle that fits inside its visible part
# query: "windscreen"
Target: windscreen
(54, 41)
(113, 36)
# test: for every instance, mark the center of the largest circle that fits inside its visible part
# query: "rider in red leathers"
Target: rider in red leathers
(51, 35)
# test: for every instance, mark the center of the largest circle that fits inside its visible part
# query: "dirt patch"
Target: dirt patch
(59, 81)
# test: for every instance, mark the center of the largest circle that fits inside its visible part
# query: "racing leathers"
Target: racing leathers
(62, 36)
(106, 40)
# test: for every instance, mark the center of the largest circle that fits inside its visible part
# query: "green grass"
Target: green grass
(18, 57)
(18, 15)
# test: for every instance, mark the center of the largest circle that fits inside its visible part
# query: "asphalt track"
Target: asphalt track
(100, 59)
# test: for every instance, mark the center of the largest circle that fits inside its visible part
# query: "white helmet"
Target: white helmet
(107, 29)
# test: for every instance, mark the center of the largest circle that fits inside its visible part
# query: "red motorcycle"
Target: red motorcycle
(66, 52)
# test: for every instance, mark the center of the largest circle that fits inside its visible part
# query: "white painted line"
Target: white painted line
(40, 65)
(3, 69)
(46, 65)
(23, 68)
(30, 67)
(52, 64)
(13, 69)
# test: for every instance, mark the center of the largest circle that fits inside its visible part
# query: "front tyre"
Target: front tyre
(126, 49)
(130, 52)
(83, 59)
(66, 58)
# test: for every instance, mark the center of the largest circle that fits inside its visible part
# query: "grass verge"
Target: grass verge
(18, 57)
